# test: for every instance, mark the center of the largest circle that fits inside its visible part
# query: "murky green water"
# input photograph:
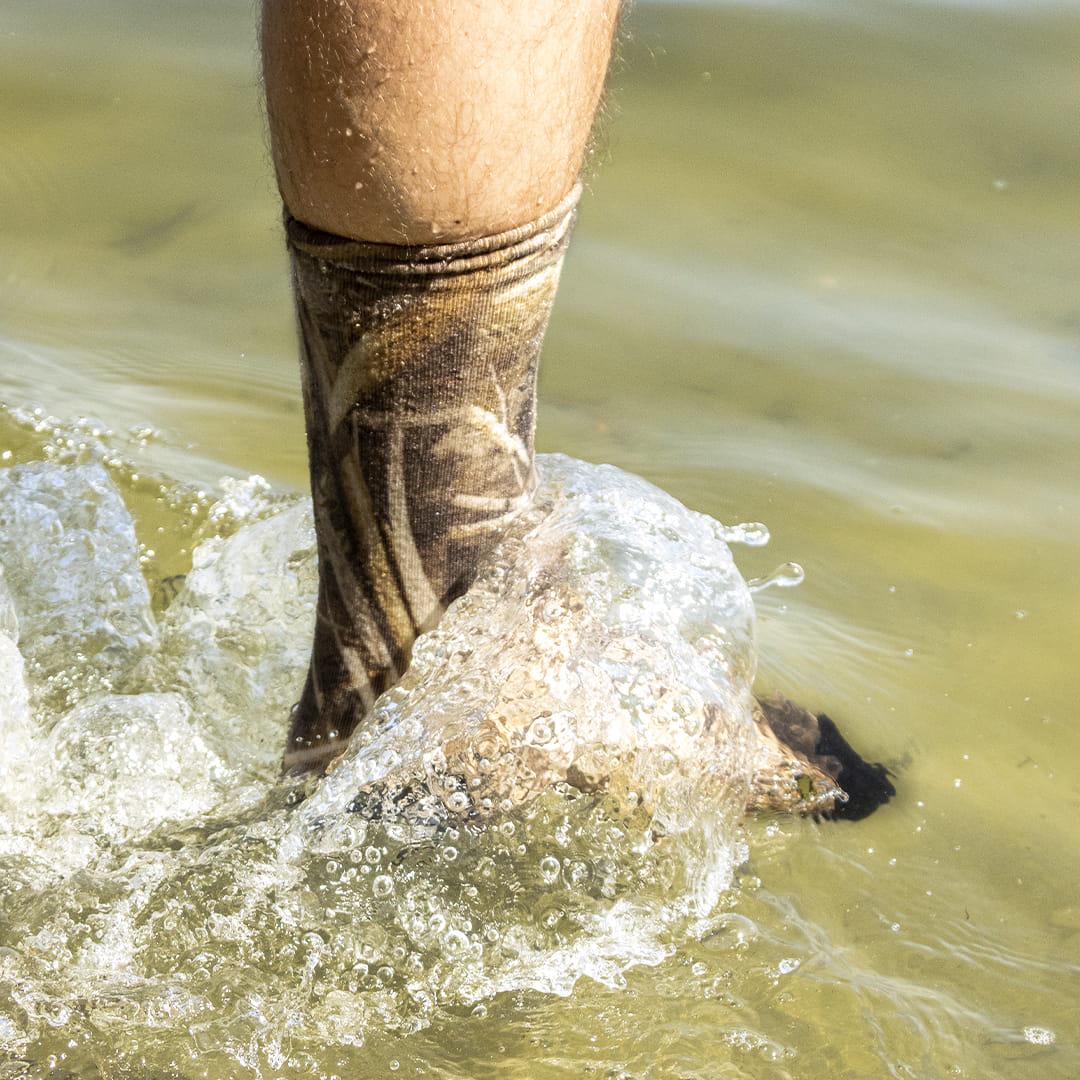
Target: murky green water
(824, 278)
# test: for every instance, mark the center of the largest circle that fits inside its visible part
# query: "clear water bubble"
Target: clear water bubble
(541, 732)
(458, 802)
(455, 941)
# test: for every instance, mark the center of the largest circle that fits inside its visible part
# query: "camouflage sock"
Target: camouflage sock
(419, 375)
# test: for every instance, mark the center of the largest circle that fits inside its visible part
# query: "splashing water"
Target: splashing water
(552, 792)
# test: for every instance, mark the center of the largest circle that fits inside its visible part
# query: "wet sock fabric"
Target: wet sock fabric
(419, 369)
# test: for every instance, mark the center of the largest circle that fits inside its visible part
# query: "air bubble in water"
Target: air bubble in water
(541, 732)
(455, 941)
(549, 869)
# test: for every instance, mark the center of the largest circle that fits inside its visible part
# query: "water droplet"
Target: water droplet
(751, 533)
(383, 886)
(549, 868)
(784, 577)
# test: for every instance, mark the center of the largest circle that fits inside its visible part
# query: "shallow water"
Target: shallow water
(824, 278)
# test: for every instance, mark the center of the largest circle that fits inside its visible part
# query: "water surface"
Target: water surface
(824, 278)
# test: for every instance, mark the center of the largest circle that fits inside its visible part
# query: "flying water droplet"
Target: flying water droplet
(784, 577)
(751, 533)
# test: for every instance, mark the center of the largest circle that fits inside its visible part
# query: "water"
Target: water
(159, 877)
(823, 279)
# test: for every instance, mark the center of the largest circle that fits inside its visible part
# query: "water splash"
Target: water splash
(553, 792)
(71, 565)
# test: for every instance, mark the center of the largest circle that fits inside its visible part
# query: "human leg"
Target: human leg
(398, 121)
(427, 155)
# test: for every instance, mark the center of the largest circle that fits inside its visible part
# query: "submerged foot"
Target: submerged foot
(808, 767)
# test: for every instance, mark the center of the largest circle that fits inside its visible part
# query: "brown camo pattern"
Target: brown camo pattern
(419, 370)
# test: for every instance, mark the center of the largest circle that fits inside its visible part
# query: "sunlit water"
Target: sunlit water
(825, 278)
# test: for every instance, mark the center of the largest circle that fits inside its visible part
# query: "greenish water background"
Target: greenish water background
(825, 277)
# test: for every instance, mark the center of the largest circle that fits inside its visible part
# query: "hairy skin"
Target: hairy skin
(420, 121)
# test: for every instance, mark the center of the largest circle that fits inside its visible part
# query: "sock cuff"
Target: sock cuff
(538, 241)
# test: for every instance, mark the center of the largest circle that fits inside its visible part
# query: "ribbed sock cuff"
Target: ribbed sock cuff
(520, 245)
